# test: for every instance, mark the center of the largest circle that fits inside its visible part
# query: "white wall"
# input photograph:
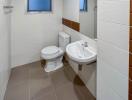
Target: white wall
(88, 74)
(32, 32)
(4, 49)
(87, 20)
(113, 49)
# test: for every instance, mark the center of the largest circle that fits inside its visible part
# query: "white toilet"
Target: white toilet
(54, 55)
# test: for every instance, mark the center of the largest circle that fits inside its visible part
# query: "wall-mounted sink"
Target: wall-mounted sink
(80, 53)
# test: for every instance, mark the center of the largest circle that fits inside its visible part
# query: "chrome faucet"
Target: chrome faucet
(85, 44)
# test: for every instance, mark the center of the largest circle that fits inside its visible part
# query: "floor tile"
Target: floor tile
(59, 78)
(19, 92)
(37, 73)
(69, 73)
(74, 91)
(50, 96)
(66, 93)
(81, 90)
(18, 76)
(38, 88)
(31, 82)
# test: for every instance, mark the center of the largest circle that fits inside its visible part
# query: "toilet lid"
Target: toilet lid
(50, 50)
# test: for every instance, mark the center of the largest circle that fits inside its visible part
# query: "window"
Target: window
(39, 5)
(83, 5)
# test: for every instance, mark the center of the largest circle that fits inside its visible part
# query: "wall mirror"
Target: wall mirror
(88, 18)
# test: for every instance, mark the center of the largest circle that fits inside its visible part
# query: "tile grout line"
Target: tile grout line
(53, 86)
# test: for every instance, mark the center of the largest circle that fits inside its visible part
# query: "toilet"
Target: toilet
(54, 55)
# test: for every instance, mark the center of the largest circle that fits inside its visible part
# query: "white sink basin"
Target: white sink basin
(80, 54)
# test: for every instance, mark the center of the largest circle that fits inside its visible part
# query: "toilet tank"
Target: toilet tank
(64, 40)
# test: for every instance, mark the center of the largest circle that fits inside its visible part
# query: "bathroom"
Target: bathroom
(65, 50)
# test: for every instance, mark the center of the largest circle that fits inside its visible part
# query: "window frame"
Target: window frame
(35, 11)
(85, 9)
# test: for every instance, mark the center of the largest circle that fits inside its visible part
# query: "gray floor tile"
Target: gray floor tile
(66, 92)
(50, 96)
(31, 82)
(18, 76)
(18, 92)
(40, 87)
(59, 78)
(81, 90)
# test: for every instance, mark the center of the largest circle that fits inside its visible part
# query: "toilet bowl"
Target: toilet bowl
(54, 55)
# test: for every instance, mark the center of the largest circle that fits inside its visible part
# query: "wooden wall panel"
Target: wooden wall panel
(130, 45)
(130, 6)
(130, 73)
(130, 55)
(130, 60)
(71, 24)
(67, 22)
(130, 33)
(130, 96)
(130, 87)
(130, 19)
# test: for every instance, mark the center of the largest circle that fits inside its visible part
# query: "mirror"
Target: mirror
(88, 18)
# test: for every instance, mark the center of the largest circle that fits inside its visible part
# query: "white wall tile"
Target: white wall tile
(114, 33)
(113, 78)
(104, 92)
(113, 49)
(116, 11)
(114, 56)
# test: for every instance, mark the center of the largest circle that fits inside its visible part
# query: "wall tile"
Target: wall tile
(116, 57)
(113, 49)
(108, 94)
(113, 78)
(104, 92)
(113, 33)
(116, 11)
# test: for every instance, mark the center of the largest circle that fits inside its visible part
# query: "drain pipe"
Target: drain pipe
(80, 67)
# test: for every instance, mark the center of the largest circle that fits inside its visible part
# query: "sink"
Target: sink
(81, 54)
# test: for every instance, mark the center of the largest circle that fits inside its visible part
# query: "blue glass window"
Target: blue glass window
(83, 5)
(39, 5)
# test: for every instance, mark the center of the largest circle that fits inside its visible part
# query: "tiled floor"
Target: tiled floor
(30, 82)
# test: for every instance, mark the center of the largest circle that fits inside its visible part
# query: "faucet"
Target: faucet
(85, 44)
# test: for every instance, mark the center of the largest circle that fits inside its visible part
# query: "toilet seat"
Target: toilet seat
(51, 52)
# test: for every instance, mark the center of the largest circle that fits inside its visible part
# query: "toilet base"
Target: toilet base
(52, 65)
(50, 69)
